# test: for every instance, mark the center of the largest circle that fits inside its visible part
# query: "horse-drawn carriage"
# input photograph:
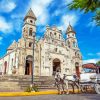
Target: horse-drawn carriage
(89, 79)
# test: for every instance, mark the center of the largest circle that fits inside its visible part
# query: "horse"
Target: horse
(64, 82)
(72, 83)
(61, 83)
(76, 82)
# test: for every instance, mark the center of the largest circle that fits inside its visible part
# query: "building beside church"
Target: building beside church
(51, 53)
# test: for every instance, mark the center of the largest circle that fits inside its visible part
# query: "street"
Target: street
(56, 97)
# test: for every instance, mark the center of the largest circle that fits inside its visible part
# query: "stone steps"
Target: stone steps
(19, 83)
(39, 84)
(9, 86)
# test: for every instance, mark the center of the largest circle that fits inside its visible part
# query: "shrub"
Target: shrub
(33, 88)
(28, 89)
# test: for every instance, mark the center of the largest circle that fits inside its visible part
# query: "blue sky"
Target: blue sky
(49, 12)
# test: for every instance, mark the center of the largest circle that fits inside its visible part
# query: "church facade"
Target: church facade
(51, 53)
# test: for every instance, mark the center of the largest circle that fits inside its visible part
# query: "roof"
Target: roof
(54, 27)
(70, 29)
(12, 46)
(90, 66)
(30, 14)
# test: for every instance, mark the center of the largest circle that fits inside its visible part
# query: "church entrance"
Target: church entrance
(77, 69)
(56, 65)
(28, 67)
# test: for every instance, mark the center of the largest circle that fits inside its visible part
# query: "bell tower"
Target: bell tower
(71, 38)
(28, 41)
(29, 27)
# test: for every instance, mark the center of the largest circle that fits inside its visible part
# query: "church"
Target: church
(45, 56)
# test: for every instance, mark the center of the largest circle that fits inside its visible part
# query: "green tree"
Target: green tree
(98, 63)
(87, 6)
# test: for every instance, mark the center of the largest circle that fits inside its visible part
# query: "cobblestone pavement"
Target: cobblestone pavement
(56, 97)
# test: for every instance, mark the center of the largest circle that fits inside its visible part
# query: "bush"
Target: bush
(33, 88)
(28, 89)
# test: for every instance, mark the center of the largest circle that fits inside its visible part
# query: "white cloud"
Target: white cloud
(56, 13)
(91, 24)
(5, 26)
(72, 18)
(98, 54)
(7, 6)
(17, 20)
(17, 24)
(39, 7)
(90, 61)
(1, 38)
(68, 1)
(16, 16)
(90, 54)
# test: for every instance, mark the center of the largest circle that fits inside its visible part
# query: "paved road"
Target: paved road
(56, 97)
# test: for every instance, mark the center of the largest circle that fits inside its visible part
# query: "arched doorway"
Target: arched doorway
(77, 69)
(28, 67)
(5, 67)
(56, 65)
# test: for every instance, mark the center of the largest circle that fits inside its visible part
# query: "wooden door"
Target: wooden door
(77, 71)
(30, 68)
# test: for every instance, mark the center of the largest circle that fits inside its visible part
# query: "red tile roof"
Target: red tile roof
(90, 66)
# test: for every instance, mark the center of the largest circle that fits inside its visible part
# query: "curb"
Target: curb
(14, 94)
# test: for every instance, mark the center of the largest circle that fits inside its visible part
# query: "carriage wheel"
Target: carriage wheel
(84, 89)
(97, 88)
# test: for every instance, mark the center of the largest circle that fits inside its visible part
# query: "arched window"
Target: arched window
(54, 34)
(5, 67)
(30, 44)
(12, 62)
(73, 34)
(55, 49)
(30, 32)
(76, 64)
(74, 44)
(68, 44)
(24, 30)
(31, 21)
(75, 53)
(50, 33)
(59, 36)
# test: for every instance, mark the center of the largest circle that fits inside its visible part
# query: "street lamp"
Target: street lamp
(33, 57)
